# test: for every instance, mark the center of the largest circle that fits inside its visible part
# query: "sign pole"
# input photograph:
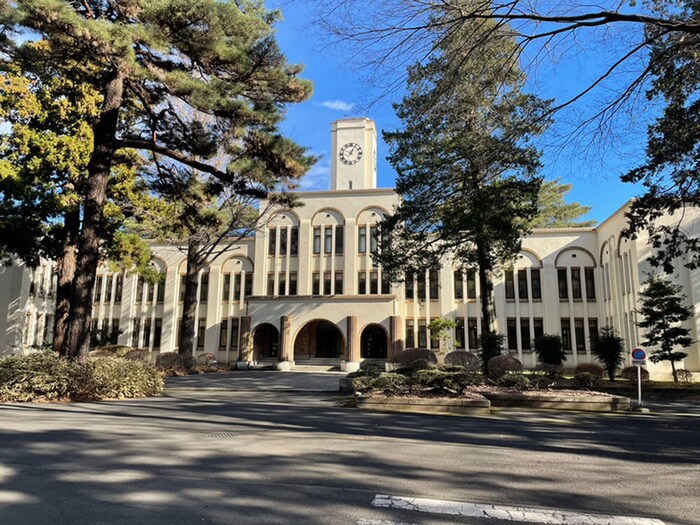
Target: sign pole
(639, 385)
(638, 359)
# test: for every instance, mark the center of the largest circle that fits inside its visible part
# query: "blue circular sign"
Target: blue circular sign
(638, 354)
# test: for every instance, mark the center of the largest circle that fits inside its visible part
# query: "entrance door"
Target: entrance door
(373, 342)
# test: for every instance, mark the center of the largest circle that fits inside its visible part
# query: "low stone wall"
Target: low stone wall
(425, 405)
(593, 403)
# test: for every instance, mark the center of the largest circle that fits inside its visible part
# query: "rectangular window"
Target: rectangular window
(580, 335)
(317, 240)
(538, 327)
(512, 333)
(566, 334)
(108, 288)
(459, 332)
(294, 241)
(471, 284)
(535, 283)
(434, 284)
(590, 283)
(422, 334)
(93, 331)
(226, 291)
(150, 292)
(292, 283)
(136, 333)
(234, 334)
(434, 340)
(362, 239)
(204, 288)
(326, 283)
(147, 333)
(236, 277)
(201, 331)
(373, 283)
(104, 330)
(114, 334)
(576, 283)
(339, 283)
(361, 283)
(98, 289)
(223, 334)
(563, 287)
(160, 295)
(272, 242)
(248, 284)
(373, 240)
(510, 285)
(48, 329)
(593, 330)
(421, 286)
(283, 241)
(157, 334)
(118, 288)
(316, 284)
(282, 284)
(410, 336)
(472, 333)
(525, 333)
(270, 284)
(183, 287)
(386, 285)
(139, 289)
(522, 285)
(328, 239)
(408, 286)
(458, 282)
(339, 239)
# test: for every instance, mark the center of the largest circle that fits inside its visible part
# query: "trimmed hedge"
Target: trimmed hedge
(48, 377)
(500, 365)
(590, 368)
(469, 360)
(407, 357)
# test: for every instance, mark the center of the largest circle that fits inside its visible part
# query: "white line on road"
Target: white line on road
(499, 512)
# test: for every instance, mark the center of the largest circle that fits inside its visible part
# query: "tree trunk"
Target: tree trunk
(78, 333)
(189, 305)
(485, 286)
(65, 268)
(675, 372)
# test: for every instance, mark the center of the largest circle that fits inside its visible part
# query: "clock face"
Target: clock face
(351, 153)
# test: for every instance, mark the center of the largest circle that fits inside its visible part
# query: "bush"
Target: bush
(500, 365)
(630, 373)
(549, 350)
(587, 380)
(418, 364)
(189, 363)
(368, 371)
(589, 368)
(550, 371)
(111, 351)
(116, 378)
(138, 354)
(207, 359)
(389, 383)
(515, 380)
(36, 377)
(490, 345)
(445, 382)
(407, 357)
(171, 363)
(608, 348)
(543, 380)
(684, 376)
(468, 360)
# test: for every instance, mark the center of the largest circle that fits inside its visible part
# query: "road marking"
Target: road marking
(500, 512)
(381, 522)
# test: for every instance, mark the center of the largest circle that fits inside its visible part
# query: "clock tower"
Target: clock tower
(354, 157)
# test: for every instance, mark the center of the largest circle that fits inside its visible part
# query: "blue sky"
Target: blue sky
(591, 165)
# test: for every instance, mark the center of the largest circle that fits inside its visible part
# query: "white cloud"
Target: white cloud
(317, 178)
(337, 105)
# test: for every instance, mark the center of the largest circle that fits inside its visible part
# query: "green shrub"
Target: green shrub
(684, 376)
(630, 373)
(368, 371)
(589, 368)
(549, 350)
(443, 382)
(500, 365)
(552, 372)
(171, 363)
(408, 357)
(138, 354)
(117, 378)
(468, 360)
(389, 382)
(608, 348)
(189, 363)
(587, 380)
(415, 366)
(36, 377)
(514, 380)
(362, 384)
(491, 345)
(111, 351)
(542, 380)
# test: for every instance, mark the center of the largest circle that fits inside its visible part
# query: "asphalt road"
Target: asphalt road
(259, 448)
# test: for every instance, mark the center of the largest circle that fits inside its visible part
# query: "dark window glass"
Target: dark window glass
(421, 286)
(226, 295)
(147, 333)
(472, 333)
(522, 285)
(525, 333)
(316, 284)
(317, 240)
(326, 283)
(98, 289)
(576, 283)
(590, 283)
(292, 283)
(339, 239)
(338, 283)
(459, 332)
(434, 284)
(248, 284)
(234, 334)
(422, 335)
(183, 287)
(151, 288)
(538, 326)
(223, 334)
(272, 242)
(118, 288)
(270, 284)
(204, 288)
(580, 335)
(283, 241)
(536, 283)
(471, 284)
(458, 278)
(511, 332)
(510, 285)
(434, 340)
(386, 285)
(160, 296)
(410, 337)
(361, 283)
(593, 330)
(566, 334)
(294, 241)
(157, 333)
(408, 286)
(136, 333)
(373, 283)
(139, 290)
(236, 285)
(201, 331)
(108, 288)
(563, 288)
(328, 239)
(114, 335)
(373, 240)
(282, 284)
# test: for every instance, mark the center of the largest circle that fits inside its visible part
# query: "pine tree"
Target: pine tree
(189, 81)
(554, 212)
(608, 347)
(467, 172)
(663, 312)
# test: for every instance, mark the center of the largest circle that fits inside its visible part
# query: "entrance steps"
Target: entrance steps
(317, 365)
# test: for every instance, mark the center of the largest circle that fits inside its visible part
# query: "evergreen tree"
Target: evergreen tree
(467, 172)
(608, 348)
(190, 82)
(554, 212)
(663, 312)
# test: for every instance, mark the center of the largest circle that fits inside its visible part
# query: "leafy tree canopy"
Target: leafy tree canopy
(554, 212)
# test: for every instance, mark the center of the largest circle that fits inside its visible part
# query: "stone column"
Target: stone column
(285, 355)
(352, 361)
(396, 340)
(246, 349)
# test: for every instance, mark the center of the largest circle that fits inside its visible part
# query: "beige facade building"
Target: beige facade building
(306, 290)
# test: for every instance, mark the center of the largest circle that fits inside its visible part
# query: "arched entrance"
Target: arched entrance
(319, 340)
(373, 342)
(266, 342)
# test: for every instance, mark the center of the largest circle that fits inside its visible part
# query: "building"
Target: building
(305, 289)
